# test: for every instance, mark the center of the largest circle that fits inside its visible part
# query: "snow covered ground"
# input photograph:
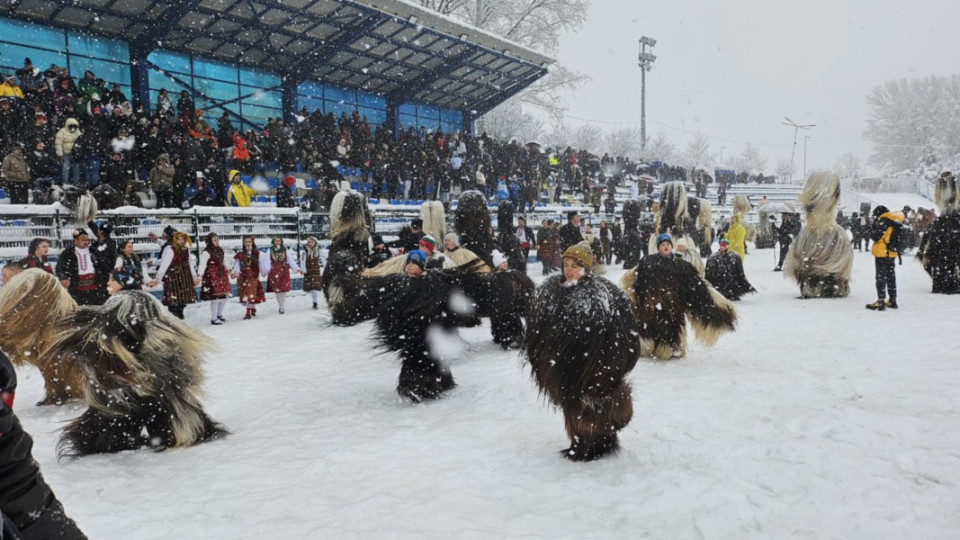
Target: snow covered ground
(816, 419)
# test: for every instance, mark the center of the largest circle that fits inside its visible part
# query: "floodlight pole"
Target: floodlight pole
(796, 129)
(645, 62)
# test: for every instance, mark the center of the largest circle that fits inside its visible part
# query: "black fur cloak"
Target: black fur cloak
(350, 249)
(406, 310)
(507, 238)
(939, 249)
(725, 272)
(503, 297)
(667, 291)
(472, 222)
(633, 245)
(581, 344)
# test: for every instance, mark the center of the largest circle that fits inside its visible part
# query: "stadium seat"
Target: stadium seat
(374, 201)
(3, 194)
(354, 185)
(394, 201)
(273, 182)
(366, 187)
(246, 179)
(311, 183)
(270, 166)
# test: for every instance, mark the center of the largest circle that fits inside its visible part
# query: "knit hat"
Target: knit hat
(428, 242)
(418, 258)
(169, 231)
(452, 237)
(416, 223)
(664, 238)
(498, 258)
(724, 242)
(880, 210)
(580, 253)
(79, 232)
(289, 180)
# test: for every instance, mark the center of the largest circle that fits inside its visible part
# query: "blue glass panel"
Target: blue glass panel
(408, 108)
(336, 93)
(407, 120)
(372, 101)
(249, 110)
(428, 111)
(98, 47)
(259, 79)
(310, 103)
(34, 34)
(336, 108)
(451, 116)
(216, 90)
(214, 70)
(11, 57)
(312, 89)
(273, 98)
(179, 63)
(374, 116)
(109, 71)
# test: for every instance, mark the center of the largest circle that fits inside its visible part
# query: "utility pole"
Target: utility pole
(646, 63)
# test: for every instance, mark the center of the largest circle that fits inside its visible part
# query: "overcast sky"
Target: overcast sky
(734, 70)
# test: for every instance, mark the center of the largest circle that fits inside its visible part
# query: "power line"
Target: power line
(661, 124)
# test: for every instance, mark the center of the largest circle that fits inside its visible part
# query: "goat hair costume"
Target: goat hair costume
(704, 227)
(725, 272)
(742, 206)
(666, 291)
(674, 219)
(350, 239)
(143, 377)
(820, 259)
(939, 249)
(78, 199)
(407, 311)
(434, 220)
(31, 305)
(581, 344)
(472, 222)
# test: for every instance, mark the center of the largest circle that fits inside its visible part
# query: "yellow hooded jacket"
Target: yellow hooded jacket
(880, 248)
(239, 194)
(737, 236)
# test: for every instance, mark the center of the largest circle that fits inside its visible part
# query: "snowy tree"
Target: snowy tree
(908, 115)
(660, 149)
(622, 142)
(588, 138)
(785, 170)
(697, 153)
(749, 160)
(847, 165)
(558, 136)
(508, 121)
(537, 24)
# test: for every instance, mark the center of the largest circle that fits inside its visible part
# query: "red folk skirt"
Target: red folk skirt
(216, 281)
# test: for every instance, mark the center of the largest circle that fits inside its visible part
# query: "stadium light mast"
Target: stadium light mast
(796, 129)
(646, 61)
(805, 139)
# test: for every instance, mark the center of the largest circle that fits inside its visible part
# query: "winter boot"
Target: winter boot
(879, 305)
(215, 322)
(249, 314)
(892, 303)
(315, 306)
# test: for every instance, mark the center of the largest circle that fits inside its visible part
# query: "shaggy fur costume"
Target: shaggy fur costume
(143, 377)
(503, 297)
(725, 272)
(820, 259)
(434, 221)
(666, 291)
(742, 206)
(78, 199)
(581, 345)
(940, 246)
(507, 238)
(31, 305)
(705, 228)
(350, 233)
(673, 218)
(406, 310)
(472, 221)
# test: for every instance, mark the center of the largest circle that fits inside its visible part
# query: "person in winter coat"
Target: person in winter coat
(239, 194)
(37, 255)
(724, 270)
(29, 509)
(788, 230)
(64, 142)
(16, 173)
(856, 229)
(198, 194)
(246, 268)
(525, 236)
(570, 233)
(161, 180)
(277, 264)
(546, 240)
(737, 235)
(885, 255)
(128, 270)
(178, 274)
(311, 264)
(79, 270)
(286, 192)
(215, 282)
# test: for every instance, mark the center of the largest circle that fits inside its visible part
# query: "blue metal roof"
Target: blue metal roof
(388, 47)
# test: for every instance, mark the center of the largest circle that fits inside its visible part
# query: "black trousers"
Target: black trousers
(784, 248)
(886, 278)
(19, 192)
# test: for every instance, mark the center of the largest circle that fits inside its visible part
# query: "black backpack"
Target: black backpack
(901, 239)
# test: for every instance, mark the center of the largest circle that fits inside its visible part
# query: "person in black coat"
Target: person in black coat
(724, 270)
(788, 230)
(409, 237)
(570, 233)
(526, 237)
(28, 507)
(634, 246)
(83, 270)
